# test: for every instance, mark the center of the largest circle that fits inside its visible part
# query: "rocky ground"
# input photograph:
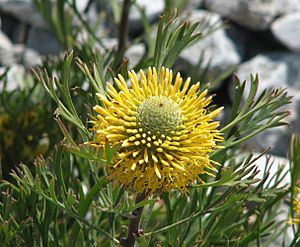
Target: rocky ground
(260, 37)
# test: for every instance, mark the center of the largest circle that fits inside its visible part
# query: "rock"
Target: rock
(287, 30)
(108, 43)
(134, 54)
(277, 139)
(26, 12)
(296, 104)
(283, 209)
(219, 52)
(23, 10)
(194, 4)
(20, 54)
(276, 69)
(43, 41)
(273, 163)
(13, 28)
(152, 12)
(15, 77)
(11, 54)
(5, 42)
(81, 5)
(287, 6)
(278, 163)
(256, 14)
(31, 58)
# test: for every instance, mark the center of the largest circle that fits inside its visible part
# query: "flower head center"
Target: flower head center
(159, 114)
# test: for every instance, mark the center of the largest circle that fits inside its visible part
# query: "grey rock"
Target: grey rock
(287, 6)
(108, 43)
(255, 14)
(152, 9)
(274, 163)
(296, 110)
(92, 16)
(279, 162)
(277, 69)
(194, 4)
(26, 12)
(43, 41)
(11, 54)
(217, 50)
(23, 10)
(81, 5)
(12, 27)
(5, 42)
(7, 51)
(287, 30)
(134, 54)
(20, 54)
(277, 139)
(31, 58)
(152, 12)
(14, 77)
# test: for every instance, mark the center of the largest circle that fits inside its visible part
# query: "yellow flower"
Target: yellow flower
(296, 208)
(163, 131)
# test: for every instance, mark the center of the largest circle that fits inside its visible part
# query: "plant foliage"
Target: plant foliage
(63, 197)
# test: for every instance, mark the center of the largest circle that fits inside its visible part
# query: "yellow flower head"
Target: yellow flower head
(297, 210)
(163, 131)
(296, 207)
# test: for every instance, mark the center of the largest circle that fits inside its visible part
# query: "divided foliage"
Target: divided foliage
(61, 196)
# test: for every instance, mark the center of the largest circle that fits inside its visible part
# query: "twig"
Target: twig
(134, 223)
(123, 26)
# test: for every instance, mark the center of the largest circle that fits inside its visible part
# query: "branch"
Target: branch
(134, 223)
(123, 26)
